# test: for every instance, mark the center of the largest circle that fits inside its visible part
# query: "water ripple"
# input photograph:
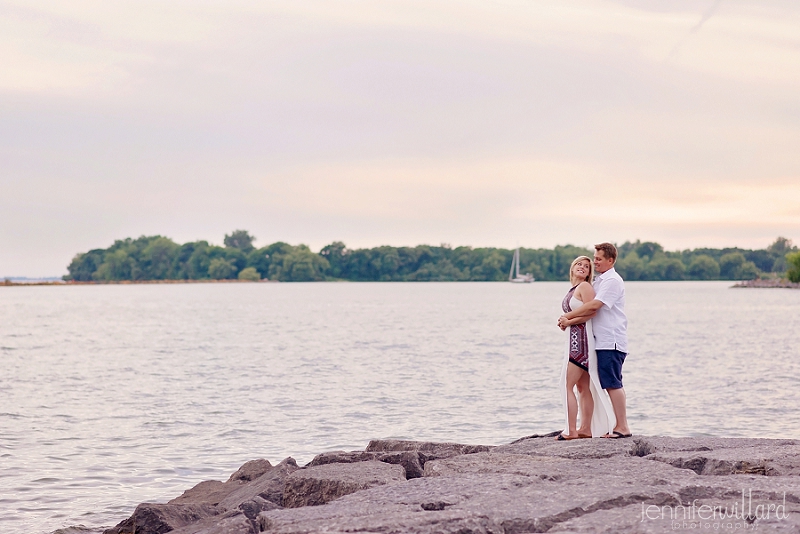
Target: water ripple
(151, 389)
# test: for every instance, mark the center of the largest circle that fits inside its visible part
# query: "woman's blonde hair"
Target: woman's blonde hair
(590, 276)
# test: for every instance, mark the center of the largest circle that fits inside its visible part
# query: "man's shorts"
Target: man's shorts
(609, 368)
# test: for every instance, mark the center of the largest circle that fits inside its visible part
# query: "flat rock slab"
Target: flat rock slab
(317, 485)
(513, 503)
(502, 503)
(781, 459)
(630, 469)
(410, 460)
(206, 492)
(597, 448)
(428, 450)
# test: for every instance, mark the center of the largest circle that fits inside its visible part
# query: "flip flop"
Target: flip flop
(562, 437)
(617, 435)
(584, 436)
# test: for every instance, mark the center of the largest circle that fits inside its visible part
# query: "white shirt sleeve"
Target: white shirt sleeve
(609, 292)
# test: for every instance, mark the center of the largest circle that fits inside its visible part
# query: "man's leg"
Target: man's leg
(620, 411)
(609, 369)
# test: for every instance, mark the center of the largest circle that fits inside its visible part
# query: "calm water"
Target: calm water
(114, 395)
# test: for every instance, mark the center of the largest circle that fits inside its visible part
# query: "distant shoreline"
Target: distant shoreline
(760, 283)
(769, 283)
(9, 283)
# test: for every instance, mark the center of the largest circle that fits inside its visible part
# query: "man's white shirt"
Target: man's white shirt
(610, 325)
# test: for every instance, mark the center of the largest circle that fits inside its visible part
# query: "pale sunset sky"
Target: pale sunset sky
(482, 123)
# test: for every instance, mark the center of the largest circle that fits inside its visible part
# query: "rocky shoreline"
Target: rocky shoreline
(535, 484)
(768, 283)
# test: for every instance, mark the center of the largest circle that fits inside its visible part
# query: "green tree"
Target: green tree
(159, 258)
(748, 271)
(730, 264)
(674, 269)
(259, 259)
(221, 269)
(561, 259)
(704, 267)
(116, 266)
(778, 251)
(493, 266)
(249, 273)
(648, 249)
(631, 267)
(336, 254)
(664, 268)
(240, 239)
(199, 261)
(386, 263)
(237, 258)
(793, 261)
(442, 271)
(83, 266)
(781, 246)
(300, 265)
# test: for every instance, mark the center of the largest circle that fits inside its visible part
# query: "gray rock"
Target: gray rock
(228, 523)
(410, 461)
(268, 487)
(769, 460)
(214, 491)
(251, 470)
(151, 518)
(255, 506)
(597, 448)
(594, 485)
(255, 487)
(557, 468)
(501, 503)
(665, 444)
(535, 484)
(427, 450)
(512, 503)
(206, 492)
(323, 483)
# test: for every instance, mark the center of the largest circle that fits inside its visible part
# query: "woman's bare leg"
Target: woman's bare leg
(586, 404)
(573, 376)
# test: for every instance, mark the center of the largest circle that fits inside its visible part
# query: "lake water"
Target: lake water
(114, 395)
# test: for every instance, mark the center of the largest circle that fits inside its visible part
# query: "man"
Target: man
(610, 326)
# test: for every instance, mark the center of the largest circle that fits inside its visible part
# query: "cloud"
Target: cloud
(394, 122)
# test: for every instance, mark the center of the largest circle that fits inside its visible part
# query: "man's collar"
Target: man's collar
(603, 275)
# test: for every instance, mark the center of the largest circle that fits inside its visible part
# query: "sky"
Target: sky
(485, 123)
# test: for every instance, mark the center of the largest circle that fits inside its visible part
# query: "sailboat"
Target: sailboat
(514, 276)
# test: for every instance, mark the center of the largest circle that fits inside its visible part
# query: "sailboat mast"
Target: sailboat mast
(516, 257)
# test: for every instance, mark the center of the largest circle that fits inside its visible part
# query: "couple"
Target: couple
(594, 316)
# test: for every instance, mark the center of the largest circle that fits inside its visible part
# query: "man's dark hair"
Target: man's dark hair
(609, 250)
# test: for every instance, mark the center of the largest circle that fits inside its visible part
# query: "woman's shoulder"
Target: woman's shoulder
(584, 288)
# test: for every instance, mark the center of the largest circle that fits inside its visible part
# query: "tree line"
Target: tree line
(160, 258)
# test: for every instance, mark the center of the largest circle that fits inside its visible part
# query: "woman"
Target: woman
(580, 363)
